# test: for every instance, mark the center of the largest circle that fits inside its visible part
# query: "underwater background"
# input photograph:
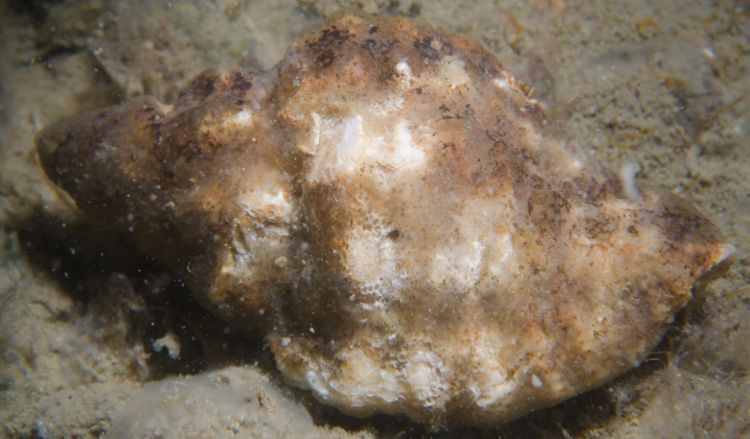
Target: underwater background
(94, 336)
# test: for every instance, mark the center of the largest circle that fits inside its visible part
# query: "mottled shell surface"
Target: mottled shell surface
(389, 208)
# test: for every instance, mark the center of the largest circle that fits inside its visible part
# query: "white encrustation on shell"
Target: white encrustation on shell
(389, 207)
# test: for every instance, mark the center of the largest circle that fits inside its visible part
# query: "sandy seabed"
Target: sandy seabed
(97, 340)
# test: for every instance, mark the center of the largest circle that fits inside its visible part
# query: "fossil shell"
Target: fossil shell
(388, 207)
